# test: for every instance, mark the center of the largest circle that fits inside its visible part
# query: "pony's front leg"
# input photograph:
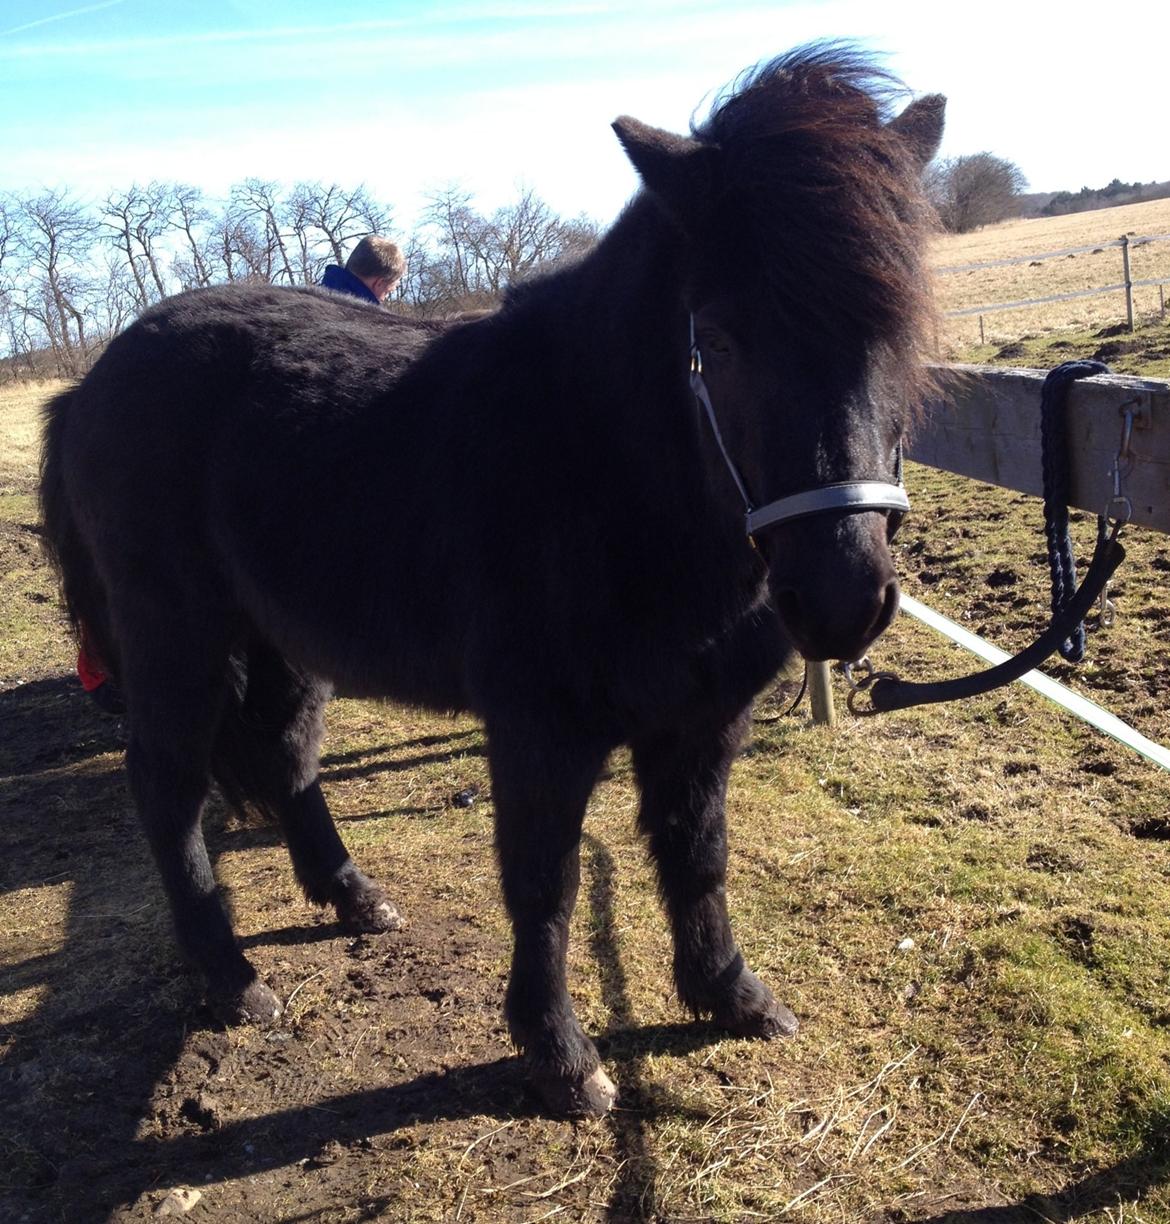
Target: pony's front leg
(541, 786)
(683, 777)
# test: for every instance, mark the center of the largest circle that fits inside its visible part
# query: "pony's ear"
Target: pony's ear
(677, 171)
(921, 126)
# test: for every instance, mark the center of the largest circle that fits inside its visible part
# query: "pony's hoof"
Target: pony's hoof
(575, 1096)
(751, 1010)
(365, 909)
(255, 1004)
(773, 1021)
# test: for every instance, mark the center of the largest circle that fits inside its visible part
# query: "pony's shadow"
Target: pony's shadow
(494, 1089)
(1103, 1192)
(47, 724)
(69, 839)
(278, 1139)
(113, 1017)
(368, 762)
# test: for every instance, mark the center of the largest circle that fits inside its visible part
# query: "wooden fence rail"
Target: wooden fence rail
(986, 425)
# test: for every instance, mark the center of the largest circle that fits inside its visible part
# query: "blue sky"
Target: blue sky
(407, 96)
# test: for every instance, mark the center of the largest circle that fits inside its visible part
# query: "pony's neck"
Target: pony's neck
(631, 312)
(634, 285)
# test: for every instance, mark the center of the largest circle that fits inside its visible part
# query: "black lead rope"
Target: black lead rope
(1070, 604)
(1062, 563)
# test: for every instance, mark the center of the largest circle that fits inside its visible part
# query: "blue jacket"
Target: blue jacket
(342, 281)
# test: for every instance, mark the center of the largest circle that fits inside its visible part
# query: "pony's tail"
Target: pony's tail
(234, 753)
(82, 593)
(269, 733)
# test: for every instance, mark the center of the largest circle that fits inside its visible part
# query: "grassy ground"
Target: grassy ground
(1145, 351)
(1099, 266)
(966, 907)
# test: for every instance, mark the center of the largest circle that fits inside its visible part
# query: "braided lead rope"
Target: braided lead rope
(1054, 453)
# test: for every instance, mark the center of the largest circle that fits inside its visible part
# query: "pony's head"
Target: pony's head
(802, 227)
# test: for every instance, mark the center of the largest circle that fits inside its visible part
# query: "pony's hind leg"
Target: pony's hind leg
(683, 778)
(268, 753)
(175, 684)
(541, 788)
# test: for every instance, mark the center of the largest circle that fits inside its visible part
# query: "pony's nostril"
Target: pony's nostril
(889, 608)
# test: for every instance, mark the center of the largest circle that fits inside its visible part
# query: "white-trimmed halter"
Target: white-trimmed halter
(845, 496)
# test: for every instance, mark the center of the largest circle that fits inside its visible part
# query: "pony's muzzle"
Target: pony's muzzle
(824, 631)
(836, 593)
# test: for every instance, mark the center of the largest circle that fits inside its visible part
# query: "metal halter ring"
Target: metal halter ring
(855, 681)
(859, 684)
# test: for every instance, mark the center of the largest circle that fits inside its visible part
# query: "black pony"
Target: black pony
(260, 495)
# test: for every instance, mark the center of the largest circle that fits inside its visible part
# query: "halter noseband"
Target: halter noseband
(846, 496)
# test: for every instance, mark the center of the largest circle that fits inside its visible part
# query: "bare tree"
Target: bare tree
(238, 247)
(473, 258)
(191, 218)
(117, 301)
(973, 190)
(455, 224)
(139, 219)
(341, 216)
(54, 238)
(259, 201)
(14, 324)
(7, 230)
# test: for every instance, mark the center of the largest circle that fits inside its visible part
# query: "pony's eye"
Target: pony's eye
(716, 345)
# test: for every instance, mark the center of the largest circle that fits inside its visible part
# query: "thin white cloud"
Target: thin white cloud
(78, 12)
(308, 34)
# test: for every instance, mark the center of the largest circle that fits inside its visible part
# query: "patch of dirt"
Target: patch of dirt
(115, 1084)
(1115, 348)
(1154, 828)
(1049, 858)
(1075, 935)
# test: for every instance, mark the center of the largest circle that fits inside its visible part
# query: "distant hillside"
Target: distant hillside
(1088, 199)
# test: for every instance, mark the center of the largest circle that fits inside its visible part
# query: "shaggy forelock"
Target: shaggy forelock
(823, 200)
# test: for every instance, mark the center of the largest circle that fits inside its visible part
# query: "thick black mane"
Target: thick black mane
(822, 198)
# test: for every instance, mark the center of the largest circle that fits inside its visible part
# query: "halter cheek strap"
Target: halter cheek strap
(842, 497)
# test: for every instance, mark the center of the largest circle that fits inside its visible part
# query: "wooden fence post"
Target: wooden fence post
(820, 691)
(1128, 282)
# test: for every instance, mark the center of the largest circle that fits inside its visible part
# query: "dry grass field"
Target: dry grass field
(966, 906)
(1068, 274)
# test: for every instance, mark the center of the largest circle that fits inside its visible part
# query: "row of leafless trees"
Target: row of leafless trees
(73, 274)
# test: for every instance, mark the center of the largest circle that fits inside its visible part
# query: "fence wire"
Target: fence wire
(1143, 240)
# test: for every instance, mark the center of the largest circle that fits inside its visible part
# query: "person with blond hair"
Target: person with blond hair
(372, 270)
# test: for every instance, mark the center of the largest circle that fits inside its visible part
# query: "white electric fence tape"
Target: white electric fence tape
(1056, 692)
